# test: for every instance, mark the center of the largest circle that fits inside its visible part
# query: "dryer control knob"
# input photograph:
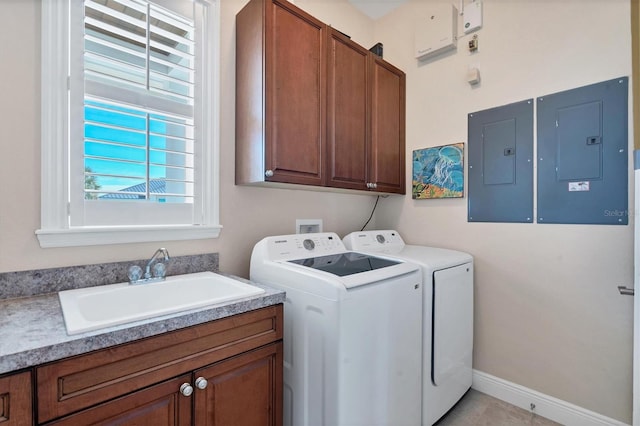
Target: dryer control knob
(380, 238)
(309, 244)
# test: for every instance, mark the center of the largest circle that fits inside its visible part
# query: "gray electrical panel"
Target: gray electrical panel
(500, 171)
(582, 155)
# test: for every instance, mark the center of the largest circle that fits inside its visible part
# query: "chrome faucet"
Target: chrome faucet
(158, 274)
(159, 269)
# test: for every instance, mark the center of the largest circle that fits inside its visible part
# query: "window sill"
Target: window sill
(92, 236)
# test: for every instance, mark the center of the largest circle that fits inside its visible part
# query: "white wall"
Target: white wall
(342, 16)
(548, 315)
(247, 213)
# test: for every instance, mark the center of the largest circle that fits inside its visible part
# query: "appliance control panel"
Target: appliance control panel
(298, 246)
(373, 240)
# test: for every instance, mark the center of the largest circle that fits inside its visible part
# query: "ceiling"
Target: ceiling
(376, 8)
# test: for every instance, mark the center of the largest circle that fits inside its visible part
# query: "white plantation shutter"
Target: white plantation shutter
(138, 135)
(130, 137)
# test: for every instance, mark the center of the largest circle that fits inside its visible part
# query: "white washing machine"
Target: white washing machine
(448, 316)
(352, 331)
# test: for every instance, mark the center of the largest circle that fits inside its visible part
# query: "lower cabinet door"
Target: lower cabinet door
(159, 405)
(245, 390)
(15, 400)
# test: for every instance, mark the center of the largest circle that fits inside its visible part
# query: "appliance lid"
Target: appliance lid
(345, 264)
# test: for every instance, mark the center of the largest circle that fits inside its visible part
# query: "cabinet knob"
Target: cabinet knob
(201, 383)
(374, 185)
(186, 389)
(369, 185)
(268, 173)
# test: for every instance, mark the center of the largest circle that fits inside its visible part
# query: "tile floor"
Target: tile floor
(479, 409)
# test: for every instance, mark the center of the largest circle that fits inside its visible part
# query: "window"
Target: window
(129, 134)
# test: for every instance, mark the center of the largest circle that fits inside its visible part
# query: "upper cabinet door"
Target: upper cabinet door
(347, 112)
(387, 162)
(295, 83)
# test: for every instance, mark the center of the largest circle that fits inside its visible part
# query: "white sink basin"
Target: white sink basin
(93, 308)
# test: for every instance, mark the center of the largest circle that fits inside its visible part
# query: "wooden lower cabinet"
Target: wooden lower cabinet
(226, 372)
(15, 400)
(241, 390)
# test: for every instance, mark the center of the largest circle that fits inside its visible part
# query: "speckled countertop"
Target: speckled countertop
(32, 329)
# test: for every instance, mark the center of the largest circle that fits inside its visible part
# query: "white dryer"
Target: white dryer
(448, 316)
(352, 331)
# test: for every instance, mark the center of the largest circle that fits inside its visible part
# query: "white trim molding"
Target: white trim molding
(545, 406)
(92, 236)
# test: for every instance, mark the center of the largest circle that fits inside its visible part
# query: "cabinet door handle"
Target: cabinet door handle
(186, 389)
(626, 291)
(268, 173)
(201, 383)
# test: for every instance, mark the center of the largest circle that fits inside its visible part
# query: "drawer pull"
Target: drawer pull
(201, 383)
(186, 389)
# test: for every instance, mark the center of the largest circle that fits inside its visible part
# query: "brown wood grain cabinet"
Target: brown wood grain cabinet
(312, 106)
(365, 119)
(387, 161)
(348, 110)
(280, 102)
(240, 390)
(223, 372)
(15, 400)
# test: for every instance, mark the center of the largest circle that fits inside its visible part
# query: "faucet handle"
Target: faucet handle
(134, 273)
(159, 270)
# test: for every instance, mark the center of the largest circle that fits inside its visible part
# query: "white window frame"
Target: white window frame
(56, 230)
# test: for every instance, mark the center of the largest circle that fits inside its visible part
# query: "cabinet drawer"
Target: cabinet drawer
(76, 383)
(159, 405)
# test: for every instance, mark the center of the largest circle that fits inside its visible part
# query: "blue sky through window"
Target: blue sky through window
(118, 145)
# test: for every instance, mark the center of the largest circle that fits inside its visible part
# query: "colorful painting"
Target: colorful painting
(438, 172)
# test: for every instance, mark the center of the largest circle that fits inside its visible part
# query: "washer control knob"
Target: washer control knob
(309, 244)
(380, 238)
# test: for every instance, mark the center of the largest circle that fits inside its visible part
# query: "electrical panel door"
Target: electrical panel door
(501, 164)
(583, 155)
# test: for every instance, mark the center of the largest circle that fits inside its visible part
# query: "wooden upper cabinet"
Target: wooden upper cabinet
(347, 112)
(280, 102)
(365, 119)
(314, 107)
(387, 127)
(15, 400)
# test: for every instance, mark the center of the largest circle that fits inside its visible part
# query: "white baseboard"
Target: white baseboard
(546, 406)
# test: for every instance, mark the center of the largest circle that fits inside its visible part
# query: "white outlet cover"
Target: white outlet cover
(308, 226)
